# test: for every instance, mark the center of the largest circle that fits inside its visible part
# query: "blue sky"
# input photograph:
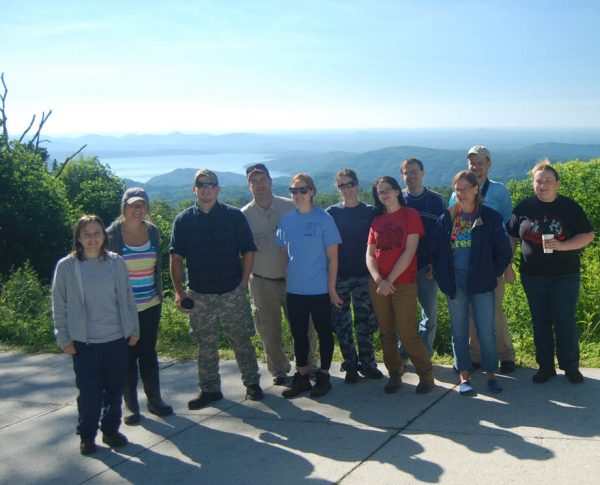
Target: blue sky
(222, 66)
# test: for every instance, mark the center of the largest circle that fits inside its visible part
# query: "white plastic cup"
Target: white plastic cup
(547, 237)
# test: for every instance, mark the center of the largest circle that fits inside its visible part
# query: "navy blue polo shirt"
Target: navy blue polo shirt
(212, 245)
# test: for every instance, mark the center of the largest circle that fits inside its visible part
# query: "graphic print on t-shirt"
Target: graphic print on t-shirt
(390, 236)
(531, 230)
(311, 229)
(463, 233)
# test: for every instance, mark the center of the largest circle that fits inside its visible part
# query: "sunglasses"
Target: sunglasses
(348, 185)
(206, 185)
(299, 190)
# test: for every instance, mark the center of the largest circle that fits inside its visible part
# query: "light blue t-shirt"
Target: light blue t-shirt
(497, 198)
(306, 238)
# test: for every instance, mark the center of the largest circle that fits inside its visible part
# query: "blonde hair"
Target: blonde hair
(307, 179)
(544, 166)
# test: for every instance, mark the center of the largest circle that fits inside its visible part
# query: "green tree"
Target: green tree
(92, 188)
(35, 214)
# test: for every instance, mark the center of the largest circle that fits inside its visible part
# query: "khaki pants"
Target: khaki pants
(268, 299)
(506, 350)
(396, 315)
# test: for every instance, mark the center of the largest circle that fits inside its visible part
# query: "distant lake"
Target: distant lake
(143, 168)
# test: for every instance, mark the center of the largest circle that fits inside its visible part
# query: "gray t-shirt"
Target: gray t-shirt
(101, 306)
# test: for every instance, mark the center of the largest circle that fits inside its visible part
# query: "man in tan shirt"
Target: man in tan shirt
(267, 281)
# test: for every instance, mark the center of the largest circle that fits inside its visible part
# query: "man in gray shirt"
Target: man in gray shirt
(267, 281)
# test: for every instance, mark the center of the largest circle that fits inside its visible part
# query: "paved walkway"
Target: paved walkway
(534, 434)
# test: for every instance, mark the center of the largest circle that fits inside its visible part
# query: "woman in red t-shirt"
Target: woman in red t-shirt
(392, 262)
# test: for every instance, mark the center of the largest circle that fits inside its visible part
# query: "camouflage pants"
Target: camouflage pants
(355, 289)
(232, 312)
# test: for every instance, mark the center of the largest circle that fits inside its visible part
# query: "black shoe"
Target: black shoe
(574, 376)
(542, 375)
(203, 399)
(159, 407)
(300, 383)
(114, 440)
(254, 393)
(322, 386)
(507, 366)
(351, 376)
(280, 380)
(372, 372)
(132, 419)
(393, 384)
(425, 386)
(87, 447)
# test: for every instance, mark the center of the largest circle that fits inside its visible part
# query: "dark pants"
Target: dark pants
(552, 303)
(299, 308)
(100, 374)
(143, 354)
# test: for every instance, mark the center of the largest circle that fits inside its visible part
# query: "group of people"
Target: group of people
(351, 269)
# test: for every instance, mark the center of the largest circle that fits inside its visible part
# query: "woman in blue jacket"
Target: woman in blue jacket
(471, 250)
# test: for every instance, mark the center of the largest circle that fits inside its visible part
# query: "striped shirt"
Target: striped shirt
(141, 261)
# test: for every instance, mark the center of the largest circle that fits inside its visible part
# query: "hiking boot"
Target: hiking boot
(280, 380)
(203, 399)
(114, 440)
(300, 383)
(393, 384)
(322, 386)
(87, 446)
(543, 375)
(351, 376)
(372, 372)
(425, 386)
(254, 392)
(574, 376)
(507, 366)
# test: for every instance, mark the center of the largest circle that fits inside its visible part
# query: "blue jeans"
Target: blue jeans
(100, 375)
(483, 305)
(427, 294)
(552, 303)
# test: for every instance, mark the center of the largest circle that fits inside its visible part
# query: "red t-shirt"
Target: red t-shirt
(388, 233)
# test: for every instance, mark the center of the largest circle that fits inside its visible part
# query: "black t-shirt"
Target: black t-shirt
(562, 217)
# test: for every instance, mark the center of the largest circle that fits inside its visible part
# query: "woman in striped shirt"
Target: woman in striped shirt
(138, 241)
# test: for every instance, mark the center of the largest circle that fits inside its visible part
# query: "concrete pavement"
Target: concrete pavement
(548, 433)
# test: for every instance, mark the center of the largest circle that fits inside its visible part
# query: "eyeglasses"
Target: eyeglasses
(300, 190)
(384, 191)
(410, 172)
(462, 190)
(205, 185)
(348, 185)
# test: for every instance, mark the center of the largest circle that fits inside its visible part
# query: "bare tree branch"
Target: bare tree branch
(36, 137)
(68, 159)
(3, 112)
(28, 128)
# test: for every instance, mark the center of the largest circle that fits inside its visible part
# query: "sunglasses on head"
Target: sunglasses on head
(348, 185)
(205, 185)
(299, 190)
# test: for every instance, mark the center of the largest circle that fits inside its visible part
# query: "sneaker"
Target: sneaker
(280, 380)
(351, 376)
(254, 393)
(493, 386)
(425, 386)
(114, 440)
(322, 386)
(203, 399)
(393, 384)
(574, 376)
(300, 383)
(542, 375)
(466, 389)
(132, 419)
(87, 446)
(372, 372)
(507, 366)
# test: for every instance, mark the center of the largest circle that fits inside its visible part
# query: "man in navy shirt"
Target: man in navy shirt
(215, 242)
(430, 206)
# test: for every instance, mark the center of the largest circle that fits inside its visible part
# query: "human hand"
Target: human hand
(69, 349)
(133, 340)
